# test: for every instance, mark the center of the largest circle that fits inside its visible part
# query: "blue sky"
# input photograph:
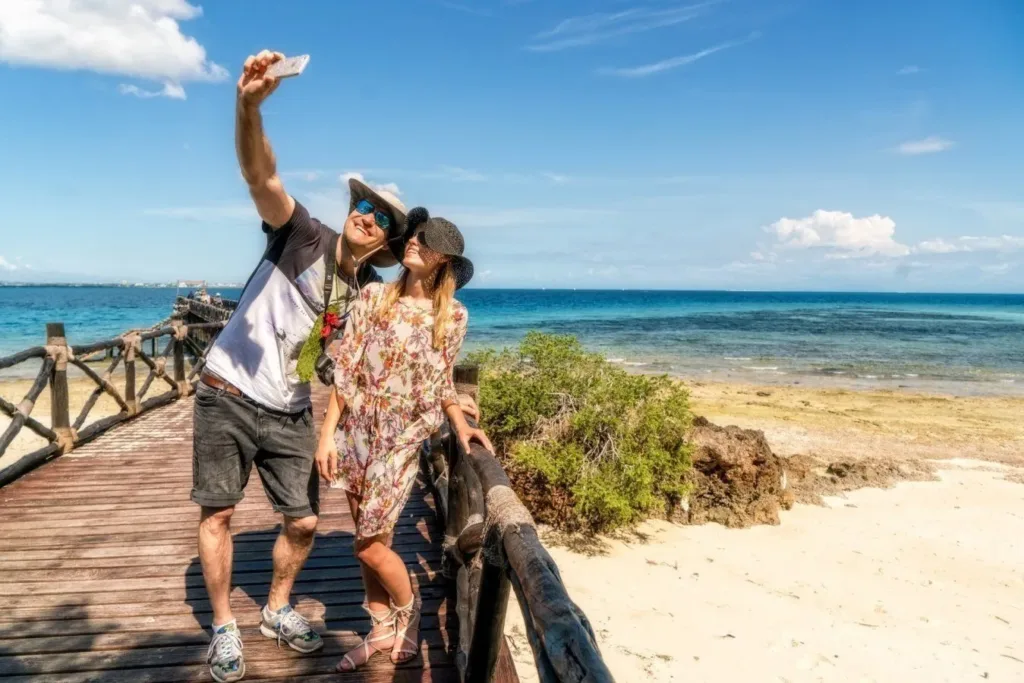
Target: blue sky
(738, 144)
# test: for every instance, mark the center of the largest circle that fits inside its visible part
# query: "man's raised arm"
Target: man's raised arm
(255, 157)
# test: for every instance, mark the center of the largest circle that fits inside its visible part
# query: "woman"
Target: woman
(393, 386)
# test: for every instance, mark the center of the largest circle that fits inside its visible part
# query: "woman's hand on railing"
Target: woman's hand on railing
(463, 430)
(468, 434)
(469, 406)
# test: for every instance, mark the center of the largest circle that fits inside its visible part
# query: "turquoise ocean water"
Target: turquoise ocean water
(965, 343)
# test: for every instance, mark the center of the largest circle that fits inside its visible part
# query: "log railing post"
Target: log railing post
(180, 332)
(60, 417)
(489, 622)
(131, 344)
(488, 581)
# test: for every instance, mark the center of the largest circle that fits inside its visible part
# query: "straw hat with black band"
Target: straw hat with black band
(440, 235)
(389, 204)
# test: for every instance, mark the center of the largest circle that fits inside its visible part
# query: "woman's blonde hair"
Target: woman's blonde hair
(444, 294)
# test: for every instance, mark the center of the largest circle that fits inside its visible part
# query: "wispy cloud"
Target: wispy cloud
(929, 145)
(211, 213)
(466, 9)
(674, 62)
(488, 217)
(596, 28)
(309, 175)
(355, 175)
(910, 70)
(7, 265)
(457, 174)
(971, 243)
(170, 90)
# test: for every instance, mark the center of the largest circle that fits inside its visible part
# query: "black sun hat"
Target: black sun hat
(442, 236)
(391, 205)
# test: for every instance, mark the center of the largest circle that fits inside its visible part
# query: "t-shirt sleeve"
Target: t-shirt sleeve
(301, 227)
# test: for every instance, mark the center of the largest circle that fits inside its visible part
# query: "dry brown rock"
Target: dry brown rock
(737, 480)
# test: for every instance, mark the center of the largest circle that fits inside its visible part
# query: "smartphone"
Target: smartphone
(289, 66)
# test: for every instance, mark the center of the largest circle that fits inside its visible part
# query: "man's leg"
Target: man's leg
(224, 428)
(285, 464)
(290, 553)
(215, 555)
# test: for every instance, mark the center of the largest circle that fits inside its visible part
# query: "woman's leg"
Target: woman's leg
(376, 594)
(388, 569)
(381, 637)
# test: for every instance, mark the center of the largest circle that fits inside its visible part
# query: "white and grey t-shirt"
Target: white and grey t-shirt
(258, 349)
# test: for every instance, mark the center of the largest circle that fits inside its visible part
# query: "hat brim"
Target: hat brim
(384, 258)
(463, 268)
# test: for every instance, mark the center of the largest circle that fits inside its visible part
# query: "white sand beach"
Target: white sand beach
(920, 582)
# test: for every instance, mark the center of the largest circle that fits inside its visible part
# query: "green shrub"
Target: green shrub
(588, 446)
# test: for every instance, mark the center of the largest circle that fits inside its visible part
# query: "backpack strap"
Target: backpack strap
(331, 266)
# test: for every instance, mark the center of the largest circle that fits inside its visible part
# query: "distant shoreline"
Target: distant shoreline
(114, 285)
(591, 290)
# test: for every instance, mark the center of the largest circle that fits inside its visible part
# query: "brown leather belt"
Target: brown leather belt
(215, 382)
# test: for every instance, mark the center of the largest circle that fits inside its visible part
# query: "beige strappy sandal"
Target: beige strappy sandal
(407, 631)
(381, 638)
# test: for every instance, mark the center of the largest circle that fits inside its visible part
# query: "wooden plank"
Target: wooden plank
(115, 638)
(100, 581)
(258, 650)
(435, 673)
(141, 605)
(141, 617)
(127, 534)
(315, 567)
(245, 548)
(141, 566)
(157, 520)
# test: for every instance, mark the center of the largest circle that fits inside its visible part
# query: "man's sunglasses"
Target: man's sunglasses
(383, 220)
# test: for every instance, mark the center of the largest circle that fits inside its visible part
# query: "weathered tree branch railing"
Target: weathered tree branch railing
(491, 544)
(190, 336)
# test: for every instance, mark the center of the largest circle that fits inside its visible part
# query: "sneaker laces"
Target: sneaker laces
(224, 647)
(297, 624)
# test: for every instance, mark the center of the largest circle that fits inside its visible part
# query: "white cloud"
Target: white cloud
(938, 246)
(458, 174)
(600, 27)
(7, 265)
(843, 235)
(909, 70)
(929, 145)
(355, 175)
(171, 90)
(556, 178)
(138, 38)
(674, 62)
(997, 268)
(212, 213)
(487, 217)
(971, 243)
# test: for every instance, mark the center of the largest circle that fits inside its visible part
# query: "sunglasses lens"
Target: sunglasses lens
(382, 220)
(364, 207)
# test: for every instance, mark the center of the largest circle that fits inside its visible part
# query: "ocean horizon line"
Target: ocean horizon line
(692, 290)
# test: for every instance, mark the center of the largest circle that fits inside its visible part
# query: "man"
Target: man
(250, 406)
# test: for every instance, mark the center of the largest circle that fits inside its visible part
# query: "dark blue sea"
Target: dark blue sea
(966, 343)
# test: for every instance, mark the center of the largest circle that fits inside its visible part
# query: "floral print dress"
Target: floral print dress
(394, 384)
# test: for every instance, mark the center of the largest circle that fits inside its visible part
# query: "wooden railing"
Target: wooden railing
(491, 544)
(63, 434)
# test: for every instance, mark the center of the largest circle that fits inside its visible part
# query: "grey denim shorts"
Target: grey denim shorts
(231, 433)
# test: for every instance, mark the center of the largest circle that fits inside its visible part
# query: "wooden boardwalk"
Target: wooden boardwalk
(100, 582)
